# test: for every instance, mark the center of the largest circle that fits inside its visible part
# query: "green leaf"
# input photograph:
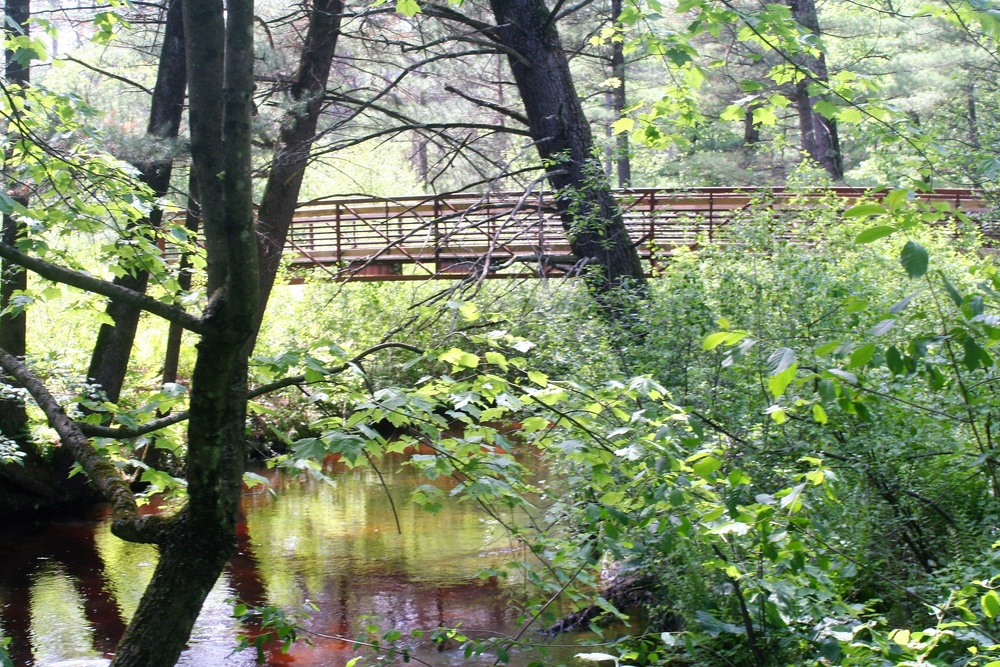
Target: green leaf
(764, 116)
(539, 378)
(777, 384)
(781, 359)
(704, 467)
(956, 298)
(819, 414)
(862, 355)
(734, 112)
(827, 391)
(252, 479)
(496, 359)
(408, 7)
(596, 657)
(622, 125)
(873, 233)
(914, 259)
(894, 360)
(990, 604)
(883, 327)
(7, 204)
(459, 358)
(718, 338)
(975, 355)
(863, 210)
(843, 375)
(777, 413)
(826, 109)
(898, 307)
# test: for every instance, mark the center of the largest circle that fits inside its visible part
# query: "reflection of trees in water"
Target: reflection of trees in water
(33, 555)
(335, 545)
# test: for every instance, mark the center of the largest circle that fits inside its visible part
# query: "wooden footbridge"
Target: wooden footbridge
(505, 235)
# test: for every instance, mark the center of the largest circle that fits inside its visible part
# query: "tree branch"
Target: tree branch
(489, 105)
(123, 432)
(445, 12)
(61, 274)
(108, 74)
(127, 523)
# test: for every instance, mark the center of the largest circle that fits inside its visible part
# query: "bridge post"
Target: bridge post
(340, 247)
(711, 216)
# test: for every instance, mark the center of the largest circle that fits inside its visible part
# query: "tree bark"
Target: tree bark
(196, 546)
(562, 135)
(109, 361)
(13, 418)
(172, 354)
(623, 165)
(298, 131)
(819, 138)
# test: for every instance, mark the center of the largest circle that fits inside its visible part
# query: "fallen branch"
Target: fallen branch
(127, 523)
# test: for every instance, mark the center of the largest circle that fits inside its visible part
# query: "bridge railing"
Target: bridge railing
(373, 238)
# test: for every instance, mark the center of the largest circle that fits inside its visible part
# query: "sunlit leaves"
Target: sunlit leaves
(873, 233)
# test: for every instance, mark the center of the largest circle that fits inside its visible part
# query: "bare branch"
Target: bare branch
(489, 105)
(445, 12)
(61, 274)
(110, 75)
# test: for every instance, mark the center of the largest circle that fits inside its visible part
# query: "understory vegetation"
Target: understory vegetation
(795, 466)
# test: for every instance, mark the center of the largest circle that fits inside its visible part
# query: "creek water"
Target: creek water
(68, 588)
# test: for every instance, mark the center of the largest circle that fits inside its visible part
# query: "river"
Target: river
(67, 588)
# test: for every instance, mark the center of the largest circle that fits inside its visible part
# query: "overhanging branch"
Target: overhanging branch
(124, 432)
(489, 105)
(61, 274)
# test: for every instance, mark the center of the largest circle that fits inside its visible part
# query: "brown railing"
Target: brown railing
(375, 238)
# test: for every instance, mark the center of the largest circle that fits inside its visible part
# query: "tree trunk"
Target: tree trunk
(175, 334)
(298, 131)
(819, 138)
(562, 135)
(194, 548)
(13, 418)
(109, 361)
(972, 117)
(622, 162)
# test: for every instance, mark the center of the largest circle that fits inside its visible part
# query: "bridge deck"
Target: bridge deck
(375, 239)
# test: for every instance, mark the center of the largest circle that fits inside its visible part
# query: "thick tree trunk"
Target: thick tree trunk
(109, 361)
(562, 134)
(197, 544)
(819, 138)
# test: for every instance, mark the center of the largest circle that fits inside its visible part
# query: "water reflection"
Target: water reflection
(67, 589)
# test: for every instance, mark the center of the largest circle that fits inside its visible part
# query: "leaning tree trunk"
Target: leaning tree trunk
(298, 131)
(109, 361)
(818, 134)
(589, 212)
